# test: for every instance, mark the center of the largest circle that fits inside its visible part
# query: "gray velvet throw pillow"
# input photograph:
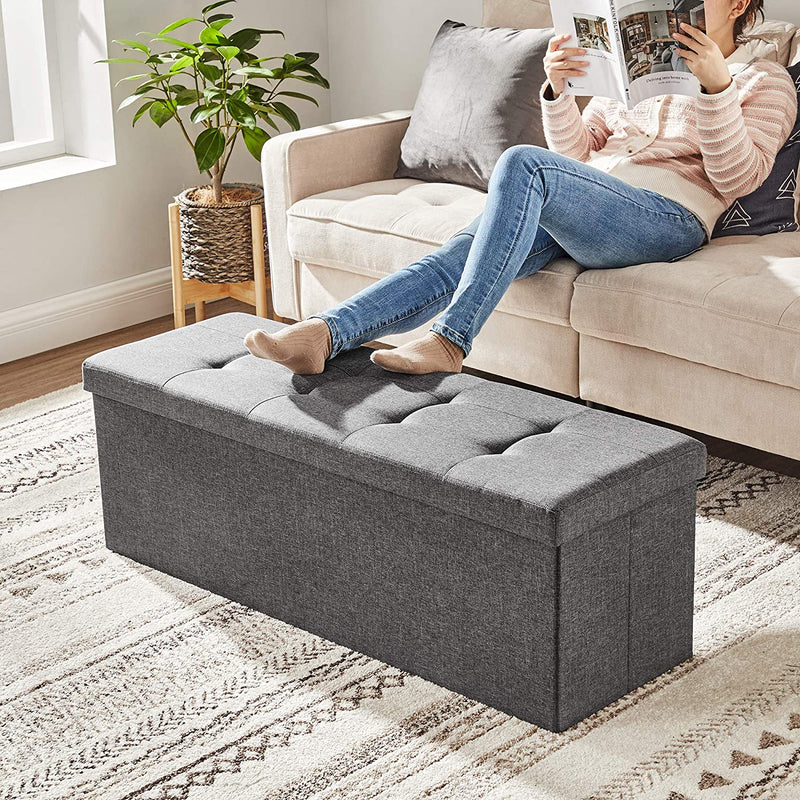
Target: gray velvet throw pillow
(479, 96)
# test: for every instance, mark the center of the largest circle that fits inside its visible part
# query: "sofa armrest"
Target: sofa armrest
(302, 163)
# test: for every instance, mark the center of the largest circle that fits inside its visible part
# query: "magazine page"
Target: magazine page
(651, 56)
(590, 23)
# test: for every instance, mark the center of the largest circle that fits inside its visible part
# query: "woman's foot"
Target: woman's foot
(432, 353)
(302, 347)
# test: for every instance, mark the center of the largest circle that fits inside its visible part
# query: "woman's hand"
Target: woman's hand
(704, 59)
(556, 65)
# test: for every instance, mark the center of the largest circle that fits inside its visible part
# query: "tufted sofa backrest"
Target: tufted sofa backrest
(517, 14)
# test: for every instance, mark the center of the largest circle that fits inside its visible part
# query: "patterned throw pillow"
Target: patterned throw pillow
(479, 96)
(771, 207)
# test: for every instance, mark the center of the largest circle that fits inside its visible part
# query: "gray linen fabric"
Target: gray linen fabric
(479, 96)
(517, 548)
(552, 469)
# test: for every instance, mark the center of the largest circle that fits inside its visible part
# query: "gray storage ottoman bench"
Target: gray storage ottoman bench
(523, 550)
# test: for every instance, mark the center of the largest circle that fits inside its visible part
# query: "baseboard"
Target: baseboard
(79, 315)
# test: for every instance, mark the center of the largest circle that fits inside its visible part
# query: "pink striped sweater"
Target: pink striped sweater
(702, 152)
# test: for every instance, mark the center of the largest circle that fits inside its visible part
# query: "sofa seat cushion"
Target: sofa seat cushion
(734, 304)
(376, 228)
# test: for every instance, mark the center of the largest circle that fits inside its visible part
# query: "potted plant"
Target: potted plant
(217, 91)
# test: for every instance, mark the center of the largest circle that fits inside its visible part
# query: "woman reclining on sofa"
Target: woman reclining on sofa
(673, 178)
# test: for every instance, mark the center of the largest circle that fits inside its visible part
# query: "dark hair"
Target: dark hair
(747, 20)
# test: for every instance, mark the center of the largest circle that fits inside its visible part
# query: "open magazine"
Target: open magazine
(629, 46)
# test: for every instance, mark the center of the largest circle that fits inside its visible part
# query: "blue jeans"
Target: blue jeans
(541, 205)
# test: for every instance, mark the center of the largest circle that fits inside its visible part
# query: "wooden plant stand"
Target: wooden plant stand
(187, 291)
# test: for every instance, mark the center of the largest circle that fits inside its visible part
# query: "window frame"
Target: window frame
(51, 142)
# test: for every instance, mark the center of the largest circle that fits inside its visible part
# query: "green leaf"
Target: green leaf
(292, 62)
(241, 112)
(129, 101)
(282, 110)
(185, 97)
(202, 113)
(212, 93)
(177, 42)
(142, 111)
(268, 58)
(132, 43)
(160, 113)
(153, 81)
(266, 117)
(216, 5)
(143, 89)
(211, 36)
(308, 57)
(208, 148)
(255, 72)
(133, 78)
(181, 63)
(209, 71)
(299, 96)
(311, 79)
(246, 58)
(254, 139)
(119, 61)
(255, 93)
(314, 72)
(219, 24)
(245, 39)
(179, 24)
(218, 18)
(228, 52)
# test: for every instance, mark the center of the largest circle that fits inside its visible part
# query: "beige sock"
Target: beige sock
(302, 347)
(432, 353)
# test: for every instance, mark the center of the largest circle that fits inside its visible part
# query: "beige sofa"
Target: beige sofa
(710, 343)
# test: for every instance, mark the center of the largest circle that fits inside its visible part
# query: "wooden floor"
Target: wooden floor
(45, 372)
(54, 369)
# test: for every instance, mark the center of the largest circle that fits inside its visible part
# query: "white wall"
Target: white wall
(788, 10)
(379, 49)
(76, 232)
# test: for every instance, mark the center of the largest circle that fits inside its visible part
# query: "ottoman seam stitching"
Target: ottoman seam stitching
(262, 402)
(516, 416)
(628, 610)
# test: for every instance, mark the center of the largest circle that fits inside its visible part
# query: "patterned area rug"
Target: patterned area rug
(120, 682)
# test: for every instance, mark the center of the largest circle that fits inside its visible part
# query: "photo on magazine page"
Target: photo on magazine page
(590, 24)
(651, 55)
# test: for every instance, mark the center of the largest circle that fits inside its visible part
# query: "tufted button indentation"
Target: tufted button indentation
(490, 429)
(224, 362)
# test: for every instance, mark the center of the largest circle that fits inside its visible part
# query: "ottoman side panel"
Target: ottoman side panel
(153, 488)
(593, 621)
(662, 584)
(463, 604)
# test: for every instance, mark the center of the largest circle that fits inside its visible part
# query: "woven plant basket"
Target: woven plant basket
(217, 240)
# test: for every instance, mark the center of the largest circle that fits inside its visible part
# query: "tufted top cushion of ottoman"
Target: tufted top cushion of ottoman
(538, 466)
